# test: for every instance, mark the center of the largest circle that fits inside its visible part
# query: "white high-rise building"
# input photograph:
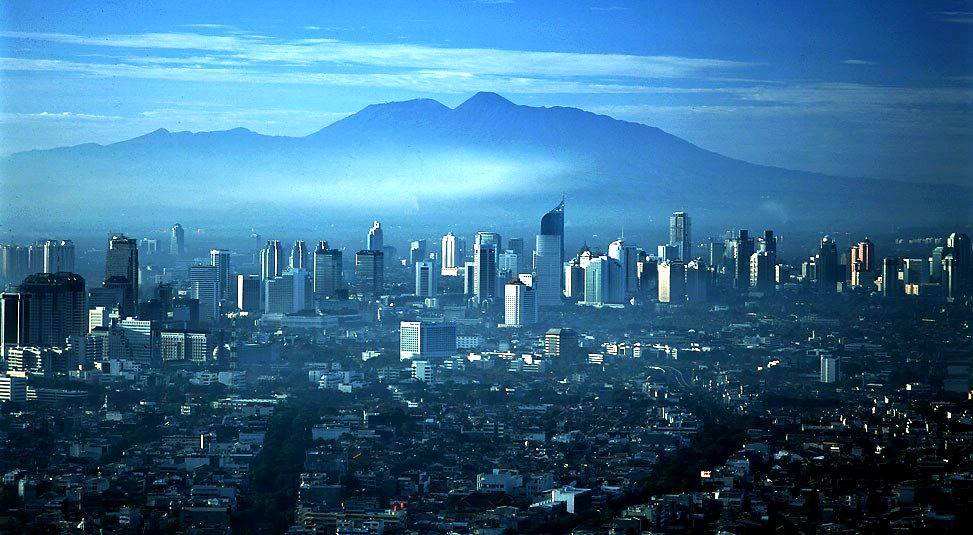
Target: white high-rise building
(519, 304)
(453, 255)
(427, 280)
(627, 256)
(271, 260)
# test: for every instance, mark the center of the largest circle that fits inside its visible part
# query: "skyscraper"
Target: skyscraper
(177, 240)
(680, 235)
(672, 282)
(826, 271)
(742, 250)
(469, 278)
(327, 271)
(271, 260)
(417, 251)
(370, 272)
(58, 256)
(14, 320)
(220, 259)
(248, 293)
(13, 262)
(516, 245)
(603, 282)
(627, 257)
(427, 278)
(122, 271)
(519, 304)
(453, 255)
(549, 258)
(762, 271)
(485, 265)
(961, 270)
(205, 284)
(860, 260)
(829, 369)
(299, 255)
(55, 308)
(375, 241)
(891, 285)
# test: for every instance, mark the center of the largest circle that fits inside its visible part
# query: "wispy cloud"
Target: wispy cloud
(478, 61)
(56, 115)
(858, 62)
(959, 17)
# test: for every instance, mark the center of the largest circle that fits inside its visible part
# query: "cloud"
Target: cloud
(312, 28)
(959, 17)
(480, 61)
(56, 115)
(858, 62)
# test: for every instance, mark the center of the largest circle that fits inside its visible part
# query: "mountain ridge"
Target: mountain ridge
(485, 149)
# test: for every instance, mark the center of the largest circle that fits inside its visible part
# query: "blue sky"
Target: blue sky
(858, 88)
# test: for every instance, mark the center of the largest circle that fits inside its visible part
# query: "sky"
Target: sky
(879, 89)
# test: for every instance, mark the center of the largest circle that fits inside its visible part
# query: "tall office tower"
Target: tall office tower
(56, 308)
(370, 272)
(426, 340)
(548, 269)
(603, 282)
(485, 262)
(829, 369)
(936, 264)
(561, 343)
(768, 243)
(220, 259)
(248, 293)
(13, 262)
(286, 294)
(862, 256)
(763, 271)
(299, 255)
(697, 281)
(205, 284)
(516, 245)
(667, 252)
(35, 258)
(742, 250)
(469, 278)
(961, 276)
(58, 256)
(680, 235)
(271, 260)
(508, 265)
(826, 271)
(648, 271)
(140, 340)
(519, 304)
(327, 271)
(716, 251)
(122, 271)
(891, 285)
(375, 240)
(453, 255)
(951, 279)
(627, 257)
(417, 251)
(573, 280)
(177, 240)
(427, 279)
(915, 271)
(14, 320)
(672, 281)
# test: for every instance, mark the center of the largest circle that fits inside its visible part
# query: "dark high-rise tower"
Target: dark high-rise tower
(370, 272)
(742, 251)
(826, 269)
(122, 271)
(327, 271)
(299, 255)
(177, 240)
(680, 235)
(55, 308)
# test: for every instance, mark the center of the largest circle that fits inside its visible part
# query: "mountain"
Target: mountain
(486, 158)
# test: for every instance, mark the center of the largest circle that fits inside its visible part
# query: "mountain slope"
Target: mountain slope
(488, 157)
